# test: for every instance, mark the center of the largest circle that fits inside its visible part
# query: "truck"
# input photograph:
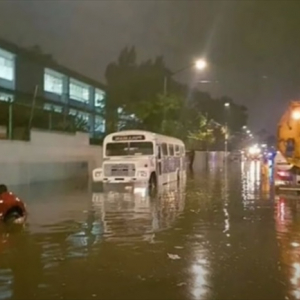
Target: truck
(288, 144)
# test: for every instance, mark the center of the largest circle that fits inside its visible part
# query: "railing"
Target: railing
(19, 118)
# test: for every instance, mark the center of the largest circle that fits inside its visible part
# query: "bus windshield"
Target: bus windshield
(131, 148)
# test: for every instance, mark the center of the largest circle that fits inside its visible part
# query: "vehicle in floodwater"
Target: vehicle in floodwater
(283, 171)
(141, 157)
(12, 209)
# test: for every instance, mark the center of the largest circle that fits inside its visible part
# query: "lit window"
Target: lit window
(79, 114)
(79, 91)
(53, 82)
(55, 108)
(99, 98)
(99, 124)
(6, 97)
(7, 65)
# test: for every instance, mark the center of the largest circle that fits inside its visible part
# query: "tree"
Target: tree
(204, 134)
(135, 100)
(120, 77)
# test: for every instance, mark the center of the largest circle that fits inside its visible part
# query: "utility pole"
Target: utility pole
(165, 85)
(10, 119)
(32, 107)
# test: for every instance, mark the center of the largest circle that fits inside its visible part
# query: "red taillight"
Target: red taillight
(281, 200)
(282, 173)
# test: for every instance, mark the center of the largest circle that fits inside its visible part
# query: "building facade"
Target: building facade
(28, 73)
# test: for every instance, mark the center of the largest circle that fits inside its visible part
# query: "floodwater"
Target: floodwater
(220, 237)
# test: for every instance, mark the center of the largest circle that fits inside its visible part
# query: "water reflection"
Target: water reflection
(6, 280)
(251, 180)
(287, 216)
(136, 216)
(33, 261)
(200, 272)
(124, 246)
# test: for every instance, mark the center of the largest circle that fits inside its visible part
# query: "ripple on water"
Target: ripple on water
(219, 235)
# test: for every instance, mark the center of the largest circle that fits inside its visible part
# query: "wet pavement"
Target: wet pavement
(220, 237)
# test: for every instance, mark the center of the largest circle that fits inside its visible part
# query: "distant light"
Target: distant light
(244, 127)
(254, 150)
(295, 244)
(227, 104)
(296, 115)
(248, 131)
(201, 64)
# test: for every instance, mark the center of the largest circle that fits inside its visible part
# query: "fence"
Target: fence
(18, 118)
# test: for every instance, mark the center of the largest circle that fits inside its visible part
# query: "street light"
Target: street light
(199, 64)
(296, 115)
(244, 127)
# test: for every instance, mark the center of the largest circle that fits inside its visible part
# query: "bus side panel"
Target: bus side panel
(171, 167)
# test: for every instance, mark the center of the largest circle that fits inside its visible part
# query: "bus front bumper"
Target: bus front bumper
(124, 180)
(142, 177)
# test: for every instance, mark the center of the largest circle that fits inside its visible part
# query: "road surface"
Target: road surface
(220, 237)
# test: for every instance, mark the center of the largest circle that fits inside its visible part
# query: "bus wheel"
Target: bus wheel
(152, 184)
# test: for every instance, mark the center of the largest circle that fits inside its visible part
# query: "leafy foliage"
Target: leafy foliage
(207, 134)
(136, 90)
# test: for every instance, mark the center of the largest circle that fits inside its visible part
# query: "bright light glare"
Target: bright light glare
(227, 104)
(254, 150)
(296, 115)
(140, 191)
(201, 64)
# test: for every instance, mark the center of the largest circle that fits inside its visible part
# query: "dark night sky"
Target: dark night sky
(253, 46)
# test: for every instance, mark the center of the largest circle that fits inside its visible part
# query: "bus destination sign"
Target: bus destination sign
(133, 137)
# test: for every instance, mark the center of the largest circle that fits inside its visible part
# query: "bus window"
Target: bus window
(177, 150)
(131, 148)
(159, 151)
(165, 149)
(181, 149)
(171, 150)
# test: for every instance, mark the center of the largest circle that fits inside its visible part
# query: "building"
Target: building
(28, 72)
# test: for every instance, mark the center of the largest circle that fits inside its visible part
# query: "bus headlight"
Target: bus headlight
(98, 174)
(142, 174)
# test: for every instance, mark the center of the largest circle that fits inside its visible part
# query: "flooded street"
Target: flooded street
(214, 239)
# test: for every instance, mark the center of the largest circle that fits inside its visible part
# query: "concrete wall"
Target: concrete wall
(3, 132)
(53, 156)
(48, 156)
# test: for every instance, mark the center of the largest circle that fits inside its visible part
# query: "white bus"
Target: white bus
(135, 156)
